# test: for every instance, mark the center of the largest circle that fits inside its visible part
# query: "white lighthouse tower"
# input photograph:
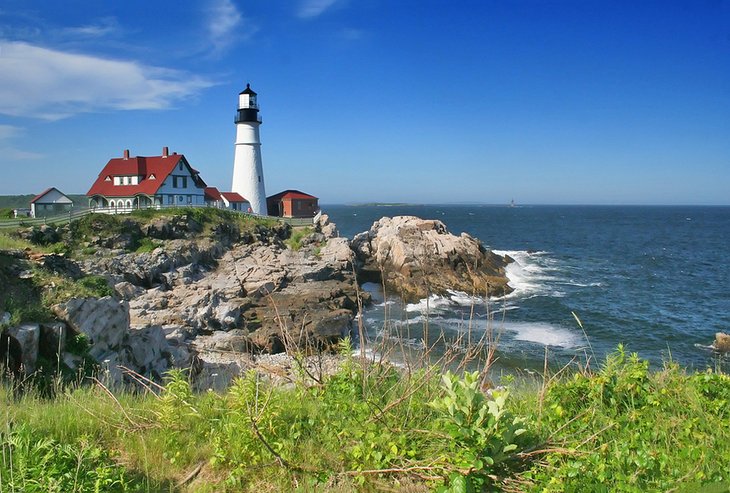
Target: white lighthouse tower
(248, 172)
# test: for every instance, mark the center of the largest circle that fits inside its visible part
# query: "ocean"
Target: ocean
(653, 278)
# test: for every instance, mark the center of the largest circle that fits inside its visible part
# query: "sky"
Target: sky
(420, 101)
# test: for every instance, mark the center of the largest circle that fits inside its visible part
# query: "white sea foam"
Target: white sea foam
(464, 299)
(433, 303)
(531, 274)
(543, 333)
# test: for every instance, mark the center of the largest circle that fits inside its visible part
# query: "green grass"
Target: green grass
(375, 428)
(10, 242)
(298, 234)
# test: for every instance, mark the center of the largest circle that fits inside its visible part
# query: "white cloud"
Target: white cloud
(314, 8)
(223, 25)
(11, 153)
(7, 133)
(49, 84)
(103, 27)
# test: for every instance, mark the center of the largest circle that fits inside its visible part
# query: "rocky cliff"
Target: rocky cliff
(210, 298)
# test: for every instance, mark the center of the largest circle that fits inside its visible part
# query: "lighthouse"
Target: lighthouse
(248, 171)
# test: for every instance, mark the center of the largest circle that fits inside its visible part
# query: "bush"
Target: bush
(627, 429)
(483, 433)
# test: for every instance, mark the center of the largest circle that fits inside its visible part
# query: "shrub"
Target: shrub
(96, 286)
(627, 429)
(483, 433)
(146, 244)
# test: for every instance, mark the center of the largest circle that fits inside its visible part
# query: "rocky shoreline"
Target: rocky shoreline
(225, 302)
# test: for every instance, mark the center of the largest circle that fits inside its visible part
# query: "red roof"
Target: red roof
(233, 197)
(44, 192)
(291, 194)
(140, 166)
(212, 193)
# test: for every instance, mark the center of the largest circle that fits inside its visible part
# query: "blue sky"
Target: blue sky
(556, 102)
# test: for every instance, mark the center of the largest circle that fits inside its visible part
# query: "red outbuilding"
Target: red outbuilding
(292, 203)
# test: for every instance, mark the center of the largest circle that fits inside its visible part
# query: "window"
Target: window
(179, 182)
(117, 180)
(181, 166)
(170, 199)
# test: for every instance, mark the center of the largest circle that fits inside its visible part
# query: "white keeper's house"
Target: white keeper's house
(140, 182)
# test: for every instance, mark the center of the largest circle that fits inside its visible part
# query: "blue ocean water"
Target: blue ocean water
(656, 279)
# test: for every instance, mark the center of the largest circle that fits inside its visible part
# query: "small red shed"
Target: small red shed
(292, 203)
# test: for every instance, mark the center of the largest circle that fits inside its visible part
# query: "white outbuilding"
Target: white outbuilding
(51, 202)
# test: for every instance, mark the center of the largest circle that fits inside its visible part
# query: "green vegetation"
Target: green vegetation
(298, 234)
(145, 245)
(368, 427)
(373, 427)
(8, 242)
(628, 429)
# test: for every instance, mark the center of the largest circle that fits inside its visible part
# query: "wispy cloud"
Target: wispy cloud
(313, 8)
(49, 84)
(224, 25)
(7, 134)
(351, 34)
(102, 27)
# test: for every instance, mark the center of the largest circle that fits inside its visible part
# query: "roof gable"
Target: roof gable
(291, 194)
(233, 197)
(153, 171)
(60, 195)
(212, 193)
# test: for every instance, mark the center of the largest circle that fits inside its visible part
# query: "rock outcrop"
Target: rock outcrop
(216, 301)
(722, 342)
(419, 257)
(275, 296)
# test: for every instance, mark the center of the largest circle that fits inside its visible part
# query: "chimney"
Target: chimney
(165, 151)
(126, 154)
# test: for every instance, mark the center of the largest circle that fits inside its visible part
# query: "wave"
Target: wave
(532, 273)
(543, 333)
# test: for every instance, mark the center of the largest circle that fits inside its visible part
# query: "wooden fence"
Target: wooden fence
(72, 215)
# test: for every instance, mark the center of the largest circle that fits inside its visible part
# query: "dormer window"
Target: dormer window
(152, 177)
(108, 178)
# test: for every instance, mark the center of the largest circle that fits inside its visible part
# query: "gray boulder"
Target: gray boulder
(104, 321)
(27, 337)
